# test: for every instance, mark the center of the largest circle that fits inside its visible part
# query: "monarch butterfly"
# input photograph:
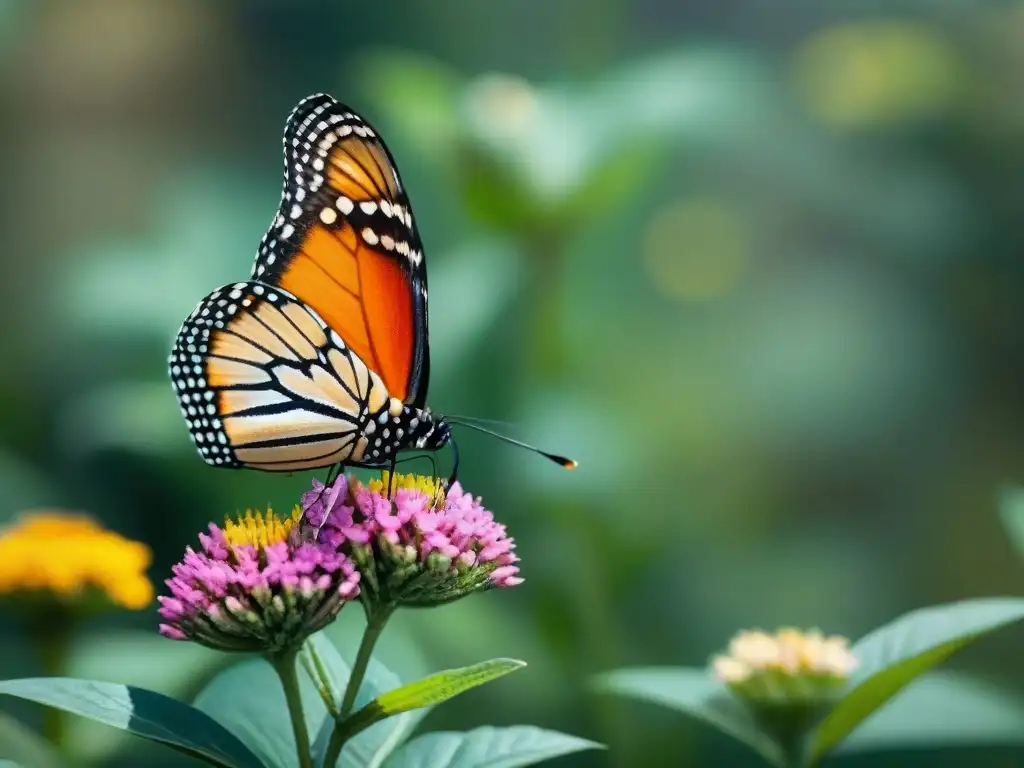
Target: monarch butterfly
(321, 358)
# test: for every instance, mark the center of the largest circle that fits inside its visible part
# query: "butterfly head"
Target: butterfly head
(428, 432)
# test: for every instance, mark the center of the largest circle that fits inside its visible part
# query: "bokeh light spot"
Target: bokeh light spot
(695, 249)
(877, 73)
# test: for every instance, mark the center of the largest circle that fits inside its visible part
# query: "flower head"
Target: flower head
(257, 585)
(70, 556)
(788, 666)
(414, 542)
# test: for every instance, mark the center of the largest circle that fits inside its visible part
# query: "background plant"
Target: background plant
(799, 717)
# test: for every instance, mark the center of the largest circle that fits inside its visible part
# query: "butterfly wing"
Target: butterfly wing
(344, 243)
(264, 383)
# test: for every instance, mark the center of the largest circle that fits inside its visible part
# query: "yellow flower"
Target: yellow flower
(260, 529)
(65, 554)
(790, 664)
(387, 485)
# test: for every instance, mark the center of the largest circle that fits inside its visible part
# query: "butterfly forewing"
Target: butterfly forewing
(345, 243)
(264, 382)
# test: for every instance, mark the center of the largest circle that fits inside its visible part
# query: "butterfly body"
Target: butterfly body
(322, 357)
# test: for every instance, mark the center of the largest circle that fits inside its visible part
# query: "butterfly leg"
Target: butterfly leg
(391, 477)
(455, 466)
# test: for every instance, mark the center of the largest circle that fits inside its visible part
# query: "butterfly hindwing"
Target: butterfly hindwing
(344, 242)
(265, 383)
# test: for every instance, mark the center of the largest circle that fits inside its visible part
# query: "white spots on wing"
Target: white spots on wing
(401, 213)
(300, 194)
(328, 216)
(288, 230)
(369, 236)
(345, 205)
(368, 207)
(388, 242)
(295, 212)
(326, 142)
(318, 164)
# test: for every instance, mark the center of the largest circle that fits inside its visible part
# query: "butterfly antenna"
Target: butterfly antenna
(457, 418)
(562, 461)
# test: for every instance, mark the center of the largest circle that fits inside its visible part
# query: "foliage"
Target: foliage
(241, 720)
(890, 659)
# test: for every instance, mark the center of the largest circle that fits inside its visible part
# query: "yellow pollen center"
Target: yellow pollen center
(387, 485)
(260, 529)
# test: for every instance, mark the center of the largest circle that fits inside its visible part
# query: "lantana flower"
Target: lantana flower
(415, 543)
(787, 680)
(257, 585)
(71, 558)
(788, 666)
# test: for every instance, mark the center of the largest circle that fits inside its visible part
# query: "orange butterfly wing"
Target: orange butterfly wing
(344, 242)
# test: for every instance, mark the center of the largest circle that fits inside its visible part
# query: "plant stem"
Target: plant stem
(375, 621)
(285, 666)
(51, 634)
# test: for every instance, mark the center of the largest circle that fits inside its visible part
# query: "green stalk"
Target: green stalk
(51, 629)
(375, 621)
(284, 665)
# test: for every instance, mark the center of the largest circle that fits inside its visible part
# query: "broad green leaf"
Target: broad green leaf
(144, 713)
(491, 747)
(942, 709)
(893, 655)
(369, 748)
(696, 693)
(1011, 512)
(21, 743)
(248, 700)
(127, 657)
(429, 691)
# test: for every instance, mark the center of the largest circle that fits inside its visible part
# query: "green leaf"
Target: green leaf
(893, 655)
(491, 747)
(942, 709)
(429, 691)
(248, 700)
(1011, 512)
(9, 764)
(21, 743)
(697, 693)
(127, 657)
(369, 748)
(144, 713)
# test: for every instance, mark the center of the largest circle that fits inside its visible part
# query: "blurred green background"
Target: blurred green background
(756, 265)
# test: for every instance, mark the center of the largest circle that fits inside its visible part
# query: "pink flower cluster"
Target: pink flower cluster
(263, 584)
(257, 597)
(454, 530)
